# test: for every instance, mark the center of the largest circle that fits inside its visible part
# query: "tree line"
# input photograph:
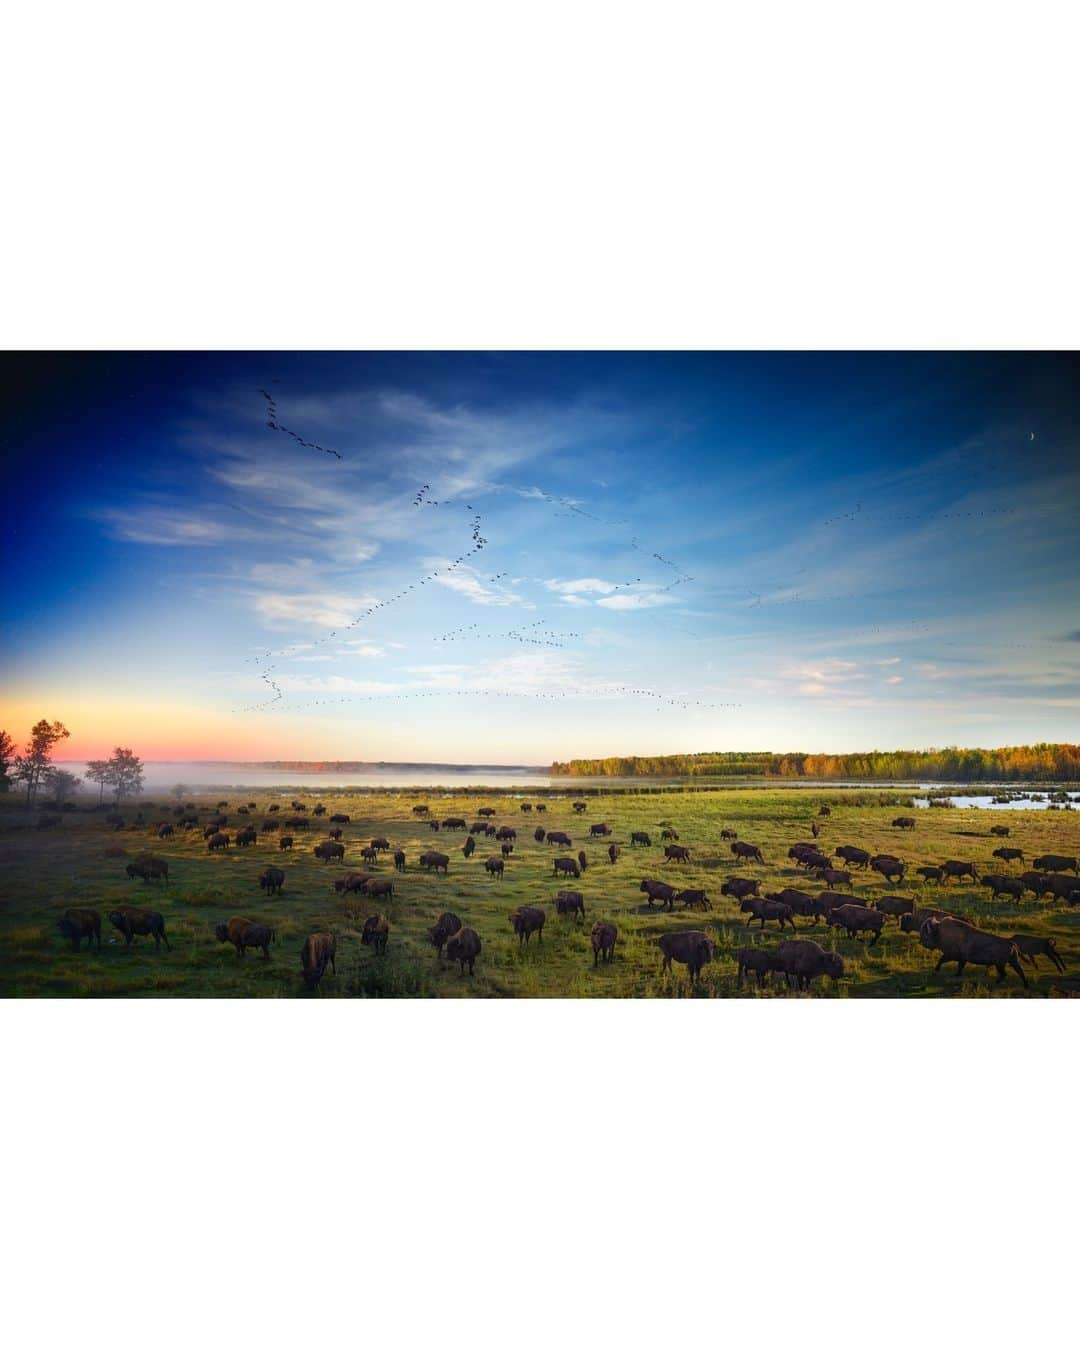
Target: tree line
(1021, 763)
(32, 768)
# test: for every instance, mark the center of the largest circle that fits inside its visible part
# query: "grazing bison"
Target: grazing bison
(433, 825)
(693, 898)
(352, 882)
(381, 845)
(435, 861)
(329, 851)
(486, 811)
(420, 810)
(527, 920)
(319, 810)
(834, 876)
(668, 834)
(583, 860)
(149, 869)
(558, 837)
(729, 834)
(540, 806)
(857, 919)
(1002, 885)
(78, 924)
(210, 831)
(756, 959)
(380, 888)
(580, 806)
(640, 837)
(766, 911)
(271, 880)
(953, 868)
(165, 832)
(603, 938)
(896, 905)
(538, 834)
(567, 865)
(399, 861)
(815, 829)
(930, 873)
(904, 823)
(491, 832)
(854, 857)
(506, 832)
(658, 890)
(245, 933)
(478, 827)
(248, 835)
(134, 923)
(738, 888)
(1030, 948)
(375, 932)
(469, 847)
(298, 823)
(495, 866)
(217, 840)
(1002, 831)
(334, 834)
(318, 952)
(285, 842)
(340, 819)
(526, 806)
(1009, 854)
(892, 869)
(676, 853)
(824, 811)
(741, 850)
(370, 855)
(598, 830)
(464, 947)
(271, 825)
(1053, 862)
(454, 823)
(804, 961)
(958, 941)
(570, 902)
(612, 852)
(445, 927)
(273, 808)
(798, 901)
(689, 947)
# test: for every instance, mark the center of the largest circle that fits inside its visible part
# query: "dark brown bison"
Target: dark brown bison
(463, 947)
(540, 806)
(352, 882)
(895, 905)
(1002, 831)
(892, 869)
(149, 869)
(1002, 885)
(469, 847)
(298, 823)
(826, 901)
(271, 880)
(693, 898)
(640, 837)
(580, 806)
(766, 911)
(248, 835)
(334, 834)
(569, 866)
(340, 819)
(538, 834)
(329, 851)
(375, 932)
(570, 902)
(318, 952)
(603, 938)
(445, 927)
(273, 808)
(285, 841)
(857, 919)
(495, 866)
(854, 857)
(486, 811)
(77, 924)
(433, 825)
(904, 823)
(1009, 854)
(435, 861)
(804, 855)
(1031, 948)
(741, 850)
(798, 901)
(804, 961)
(526, 806)
(217, 840)
(399, 861)
(527, 920)
(668, 834)
(834, 876)
(271, 826)
(1054, 862)
(369, 854)
(1063, 888)
(478, 827)
(558, 837)
(729, 834)
(689, 947)
(599, 830)
(319, 810)
(612, 852)
(583, 860)
(815, 829)
(953, 868)
(676, 853)
(930, 873)
(454, 823)
(824, 811)
(507, 833)
(911, 923)
(380, 888)
(134, 923)
(759, 960)
(738, 888)
(380, 845)
(420, 810)
(1036, 882)
(959, 942)
(245, 933)
(658, 890)
(165, 831)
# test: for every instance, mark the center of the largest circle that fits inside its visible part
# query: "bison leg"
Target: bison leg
(872, 940)
(960, 964)
(1058, 962)
(1016, 966)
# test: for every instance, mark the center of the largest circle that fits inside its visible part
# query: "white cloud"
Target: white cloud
(587, 585)
(637, 600)
(319, 609)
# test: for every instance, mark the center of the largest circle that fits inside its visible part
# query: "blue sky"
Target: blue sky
(854, 551)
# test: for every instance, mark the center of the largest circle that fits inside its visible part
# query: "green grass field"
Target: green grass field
(43, 872)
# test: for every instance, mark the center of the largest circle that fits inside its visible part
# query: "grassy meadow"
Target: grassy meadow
(82, 862)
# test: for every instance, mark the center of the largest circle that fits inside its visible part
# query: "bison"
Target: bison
(340, 819)
(567, 865)
(1002, 885)
(495, 866)
(857, 919)
(445, 927)
(668, 834)
(729, 834)
(689, 947)
(953, 868)
(454, 823)
(958, 941)
(892, 869)
(165, 831)
(379, 887)
(318, 952)
(1009, 854)
(895, 905)
(904, 823)
(469, 847)
(612, 852)
(464, 947)
(134, 923)
(149, 869)
(658, 890)
(766, 911)
(603, 938)
(1054, 862)
(912, 922)
(375, 932)
(570, 902)
(248, 835)
(676, 853)
(538, 834)
(420, 810)
(826, 901)
(930, 873)
(271, 880)
(1002, 831)
(399, 861)
(285, 841)
(596, 831)
(527, 920)
(756, 959)
(77, 924)
(580, 806)
(741, 850)
(738, 888)
(583, 860)
(797, 901)
(435, 861)
(334, 834)
(834, 876)
(558, 837)
(217, 840)
(693, 898)
(854, 857)
(1030, 948)
(640, 837)
(804, 961)
(245, 933)
(330, 851)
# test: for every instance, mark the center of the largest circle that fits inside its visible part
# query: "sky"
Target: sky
(515, 558)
